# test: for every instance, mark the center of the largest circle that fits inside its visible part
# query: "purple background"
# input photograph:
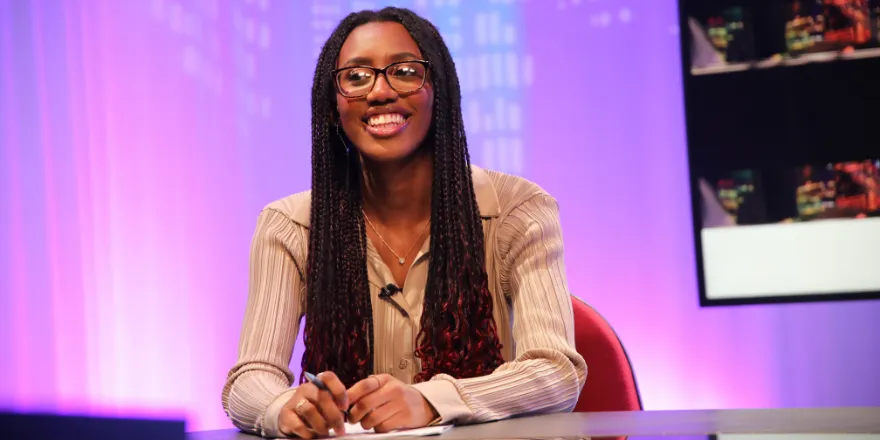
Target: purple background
(138, 141)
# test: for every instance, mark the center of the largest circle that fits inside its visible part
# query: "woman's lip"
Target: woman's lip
(386, 130)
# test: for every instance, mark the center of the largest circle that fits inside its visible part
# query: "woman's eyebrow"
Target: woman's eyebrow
(367, 61)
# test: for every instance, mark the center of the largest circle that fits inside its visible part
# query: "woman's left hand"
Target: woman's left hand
(387, 404)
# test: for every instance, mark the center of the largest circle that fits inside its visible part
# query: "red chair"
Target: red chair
(611, 384)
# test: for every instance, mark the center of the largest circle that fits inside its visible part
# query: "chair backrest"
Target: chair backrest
(611, 384)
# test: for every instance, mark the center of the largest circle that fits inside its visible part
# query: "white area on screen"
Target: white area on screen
(815, 257)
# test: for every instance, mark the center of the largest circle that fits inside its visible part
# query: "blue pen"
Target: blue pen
(314, 379)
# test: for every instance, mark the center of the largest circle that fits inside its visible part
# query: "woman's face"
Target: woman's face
(384, 125)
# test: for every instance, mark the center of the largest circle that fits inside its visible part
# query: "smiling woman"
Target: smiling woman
(433, 291)
(386, 119)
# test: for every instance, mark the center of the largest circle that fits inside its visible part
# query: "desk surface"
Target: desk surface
(653, 423)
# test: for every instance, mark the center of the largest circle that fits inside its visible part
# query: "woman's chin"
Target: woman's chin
(387, 151)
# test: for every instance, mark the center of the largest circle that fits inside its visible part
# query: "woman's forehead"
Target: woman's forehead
(378, 44)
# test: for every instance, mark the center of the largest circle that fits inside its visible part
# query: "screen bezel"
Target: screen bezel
(693, 177)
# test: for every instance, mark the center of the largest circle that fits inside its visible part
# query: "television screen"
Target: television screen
(727, 37)
(782, 102)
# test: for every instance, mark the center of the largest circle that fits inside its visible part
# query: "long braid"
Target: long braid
(458, 334)
(339, 322)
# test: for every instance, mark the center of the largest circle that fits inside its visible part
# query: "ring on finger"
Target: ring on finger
(298, 408)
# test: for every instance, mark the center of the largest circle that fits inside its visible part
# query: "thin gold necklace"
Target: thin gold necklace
(400, 259)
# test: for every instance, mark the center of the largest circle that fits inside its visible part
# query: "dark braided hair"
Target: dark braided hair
(458, 334)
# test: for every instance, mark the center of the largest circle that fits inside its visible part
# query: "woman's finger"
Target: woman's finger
(331, 412)
(367, 386)
(382, 414)
(336, 389)
(312, 416)
(289, 423)
(395, 422)
(369, 403)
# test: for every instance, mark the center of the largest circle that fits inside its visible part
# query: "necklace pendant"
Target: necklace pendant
(401, 261)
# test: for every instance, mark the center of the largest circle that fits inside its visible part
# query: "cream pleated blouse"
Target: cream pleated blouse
(542, 372)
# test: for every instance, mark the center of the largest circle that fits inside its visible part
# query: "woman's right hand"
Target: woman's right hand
(312, 412)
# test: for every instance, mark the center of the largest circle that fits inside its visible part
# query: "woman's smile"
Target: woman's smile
(385, 122)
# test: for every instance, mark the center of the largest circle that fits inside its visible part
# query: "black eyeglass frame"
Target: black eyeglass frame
(377, 71)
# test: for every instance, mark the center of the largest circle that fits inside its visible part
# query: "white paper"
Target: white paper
(356, 431)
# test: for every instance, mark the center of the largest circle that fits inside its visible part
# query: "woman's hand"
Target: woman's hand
(387, 404)
(312, 412)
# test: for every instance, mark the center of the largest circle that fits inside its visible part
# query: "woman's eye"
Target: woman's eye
(405, 71)
(358, 76)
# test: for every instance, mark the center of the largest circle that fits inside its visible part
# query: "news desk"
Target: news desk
(815, 423)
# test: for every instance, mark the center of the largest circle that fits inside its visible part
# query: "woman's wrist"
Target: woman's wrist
(445, 401)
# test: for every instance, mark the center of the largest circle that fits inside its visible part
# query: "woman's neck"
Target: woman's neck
(398, 194)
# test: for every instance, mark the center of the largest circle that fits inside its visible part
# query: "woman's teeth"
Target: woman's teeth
(387, 118)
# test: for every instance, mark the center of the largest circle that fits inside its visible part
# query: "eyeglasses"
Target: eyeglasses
(402, 76)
